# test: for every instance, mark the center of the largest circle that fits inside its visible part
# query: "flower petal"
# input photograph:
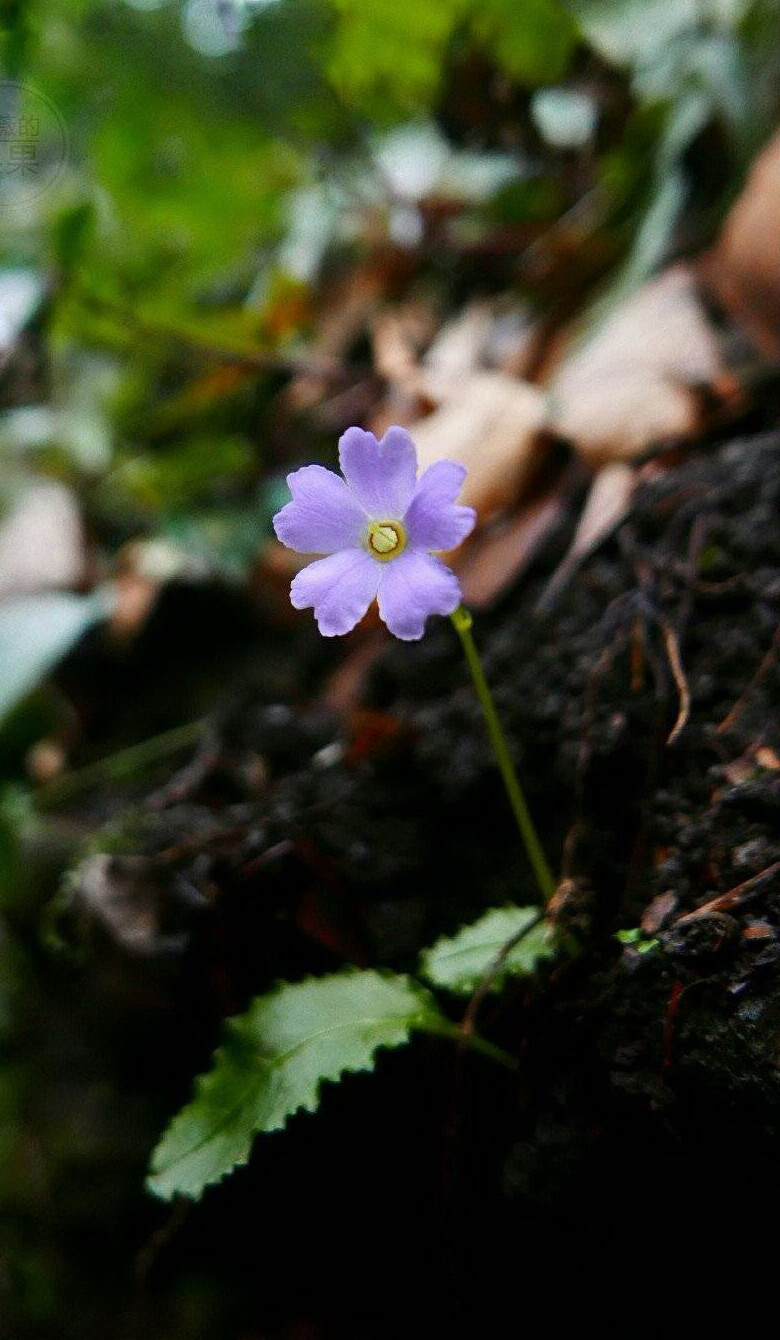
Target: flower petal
(340, 587)
(382, 474)
(433, 520)
(323, 515)
(413, 586)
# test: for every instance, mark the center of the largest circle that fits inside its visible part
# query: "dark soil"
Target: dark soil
(642, 1126)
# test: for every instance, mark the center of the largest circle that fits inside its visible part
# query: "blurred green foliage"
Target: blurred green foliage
(210, 162)
(207, 163)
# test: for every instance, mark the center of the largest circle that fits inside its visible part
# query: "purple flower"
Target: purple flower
(378, 526)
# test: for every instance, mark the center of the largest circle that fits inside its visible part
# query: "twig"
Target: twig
(732, 897)
(197, 842)
(739, 706)
(117, 767)
(675, 661)
(160, 1239)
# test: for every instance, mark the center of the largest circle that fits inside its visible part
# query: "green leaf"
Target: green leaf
(272, 1063)
(637, 940)
(655, 233)
(19, 828)
(16, 24)
(181, 475)
(395, 53)
(687, 118)
(533, 41)
(36, 632)
(459, 964)
(72, 231)
(648, 249)
(399, 53)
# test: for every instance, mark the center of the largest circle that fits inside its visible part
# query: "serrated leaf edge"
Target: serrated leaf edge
(475, 979)
(311, 1106)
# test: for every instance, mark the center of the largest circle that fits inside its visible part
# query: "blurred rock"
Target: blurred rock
(41, 541)
(637, 382)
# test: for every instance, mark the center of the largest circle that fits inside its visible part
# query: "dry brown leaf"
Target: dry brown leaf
(487, 420)
(343, 687)
(606, 506)
(458, 350)
(743, 268)
(455, 353)
(395, 354)
(491, 335)
(658, 912)
(637, 382)
(515, 341)
(493, 425)
(499, 556)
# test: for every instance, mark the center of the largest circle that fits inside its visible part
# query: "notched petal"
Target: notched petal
(323, 516)
(413, 587)
(340, 588)
(433, 519)
(382, 474)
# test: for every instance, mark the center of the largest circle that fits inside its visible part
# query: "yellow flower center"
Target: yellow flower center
(385, 539)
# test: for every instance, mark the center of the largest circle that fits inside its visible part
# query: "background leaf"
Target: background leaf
(37, 631)
(272, 1062)
(460, 963)
(392, 53)
(533, 42)
(625, 31)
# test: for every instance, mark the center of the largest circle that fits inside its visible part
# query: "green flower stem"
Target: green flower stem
(127, 763)
(462, 622)
(442, 1028)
